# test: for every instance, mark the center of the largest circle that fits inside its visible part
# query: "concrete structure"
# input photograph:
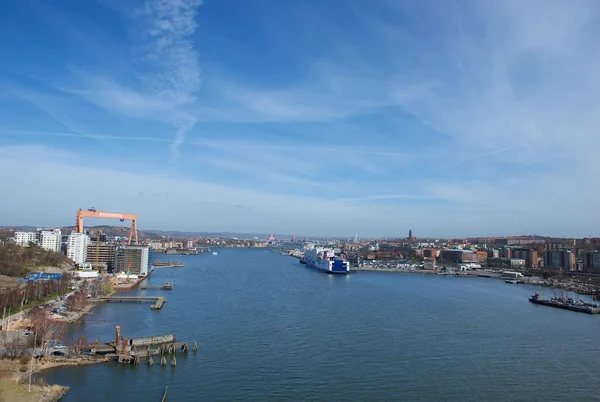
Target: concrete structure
(529, 255)
(24, 238)
(51, 240)
(564, 259)
(591, 261)
(77, 247)
(106, 255)
(458, 256)
(134, 260)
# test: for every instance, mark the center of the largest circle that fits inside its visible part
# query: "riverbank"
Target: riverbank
(14, 379)
(383, 269)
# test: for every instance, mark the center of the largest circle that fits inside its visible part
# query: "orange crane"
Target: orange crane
(92, 213)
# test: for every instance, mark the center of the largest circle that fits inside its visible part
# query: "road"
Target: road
(53, 304)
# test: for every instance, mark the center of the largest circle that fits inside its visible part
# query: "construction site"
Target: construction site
(96, 254)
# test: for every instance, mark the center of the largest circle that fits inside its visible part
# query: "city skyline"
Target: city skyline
(304, 117)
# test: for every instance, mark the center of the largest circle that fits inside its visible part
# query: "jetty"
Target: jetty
(159, 301)
(132, 350)
(166, 264)
(565, 304)
(166, 286)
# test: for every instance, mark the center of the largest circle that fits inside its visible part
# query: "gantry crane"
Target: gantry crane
(92, 213)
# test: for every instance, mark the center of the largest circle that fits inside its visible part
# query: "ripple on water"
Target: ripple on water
(369, 336)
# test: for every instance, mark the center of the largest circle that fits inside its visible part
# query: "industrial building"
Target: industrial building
(51, 240)
(133, 260)
(77, 244)
(24, 238)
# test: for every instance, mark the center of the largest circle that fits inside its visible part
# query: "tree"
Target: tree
(78, 301)
(15, 346)
(46, 329)
(80, 345)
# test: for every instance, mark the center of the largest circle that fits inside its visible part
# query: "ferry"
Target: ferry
(324, 259)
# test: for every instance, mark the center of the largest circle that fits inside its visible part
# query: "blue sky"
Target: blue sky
(309, 117)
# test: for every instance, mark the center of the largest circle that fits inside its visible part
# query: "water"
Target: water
(368, 336)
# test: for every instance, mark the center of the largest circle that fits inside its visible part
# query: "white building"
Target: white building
(51, 240)
(77, 247)
(24, 238)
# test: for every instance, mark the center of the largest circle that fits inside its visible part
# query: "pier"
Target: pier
(159, 301)
(132, 350)
(166, 286)
(166, 264)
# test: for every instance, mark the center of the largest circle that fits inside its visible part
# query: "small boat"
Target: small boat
(214, 253)
(513, 281)
(302, 261)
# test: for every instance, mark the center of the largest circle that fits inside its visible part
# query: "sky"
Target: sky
(314, 117)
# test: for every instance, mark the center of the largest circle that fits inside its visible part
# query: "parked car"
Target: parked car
(58, 353)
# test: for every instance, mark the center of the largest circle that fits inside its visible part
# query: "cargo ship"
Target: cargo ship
(565, 303)
(324, 259)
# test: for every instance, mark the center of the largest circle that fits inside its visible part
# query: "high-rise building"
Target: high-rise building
(591, 261)
(133, 260)
(559, 259)
(24, 238)
(51, 240)
(77, 247)
(105, 253)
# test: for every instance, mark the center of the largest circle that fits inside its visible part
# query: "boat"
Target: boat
(565, 303)
(513, 281)
(303, 261)
(324, 259)
(214, 253)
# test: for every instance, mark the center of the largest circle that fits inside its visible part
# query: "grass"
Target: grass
(15, 392)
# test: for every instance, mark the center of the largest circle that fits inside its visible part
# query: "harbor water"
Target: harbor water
(268, 328)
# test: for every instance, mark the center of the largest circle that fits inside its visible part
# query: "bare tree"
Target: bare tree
(80, 345)
(15, 346)
(45, 328)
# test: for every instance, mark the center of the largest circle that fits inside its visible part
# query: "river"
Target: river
(268, 328)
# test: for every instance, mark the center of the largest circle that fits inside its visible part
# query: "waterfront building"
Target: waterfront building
(458, 256)
(105, 253)
(77, 247)
(23, 239)
(591, 261)
(51, 240)
(564, 259)
(530, 256)
(133, 260)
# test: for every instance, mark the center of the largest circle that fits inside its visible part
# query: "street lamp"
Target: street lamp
(32, 358)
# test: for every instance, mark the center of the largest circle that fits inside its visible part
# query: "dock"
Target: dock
(166, 264)
(166, 286)
(132, 350)
(159, 301)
